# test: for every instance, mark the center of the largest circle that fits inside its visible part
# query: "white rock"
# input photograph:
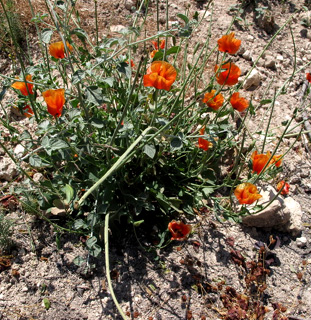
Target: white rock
(247, 55)
(280, 58)
(253, 80)
(7, 169)
(271, 216)
(301, 242)
(295, 224)
(19, 150)
(270, 62)
(117, 28)
(37, 177)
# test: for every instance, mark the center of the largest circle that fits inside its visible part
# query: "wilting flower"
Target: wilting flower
(212, 100)
(283, 185)
(203, 143)
(155, 44)
(156, 47)
(27, 111)
(247, 193)
(228, 77)
(260, 160)
(55, 100)
(229, 44)
(160, 75)
(238, 103)
(21, 85)
(57, 49)
(308, 77)
(179, 230)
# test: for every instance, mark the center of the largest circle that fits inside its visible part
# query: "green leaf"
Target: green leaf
(138, 223)
(78, 76)
(69, 192)
(95, 250)
(36, 161)
(172, 50)
(80, 33)
(109, 81)
(176, 143)
(94, 95)
(207, 191)
(80, 224)
(57, 144)
(90, 242)
(46, 303)
(265, 101)
(79, 261)
(97, 123)
(150, 150)
(46, 35)
(183, 17)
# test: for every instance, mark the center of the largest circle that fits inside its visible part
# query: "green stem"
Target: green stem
(106, 239)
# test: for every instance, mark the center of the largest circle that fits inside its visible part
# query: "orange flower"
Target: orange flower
(155, 44)
(260, 160)
(202, 143)
(55, 100)
(21, 85)
(308, 77)
(229, 44)
(230, 76)
(179, 230)
(283, 185)
(214, 102)
(27, 111)
(247, 193)
(238, 103)
(132, 63)
(160, 75)
(57, 49)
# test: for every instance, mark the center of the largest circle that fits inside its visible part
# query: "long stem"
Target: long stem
(106, 239)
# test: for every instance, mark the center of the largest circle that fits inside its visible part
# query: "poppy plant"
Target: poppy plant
(21, 85)
(308, 77)
(247, 193)
(55, 100)
(284, 186)
(260, 160)
(238, 103)
(179, 230)
(203, 143)
(228, 43)
(57, 49)
(229, 76)
(160, 75)
(212, 100)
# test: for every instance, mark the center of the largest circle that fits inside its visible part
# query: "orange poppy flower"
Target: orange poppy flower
(152, 53)
(229, 44)
(57, 49)
(283, 185)
(203, 143)
(179, 230)
(260, 160)
(228, 77)
(239, 103)
(160, 75)
(132, 63)
(55, 100)
(21, 85)
(155, 44)
(214, 102)
(308, 77)
(247, 193)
